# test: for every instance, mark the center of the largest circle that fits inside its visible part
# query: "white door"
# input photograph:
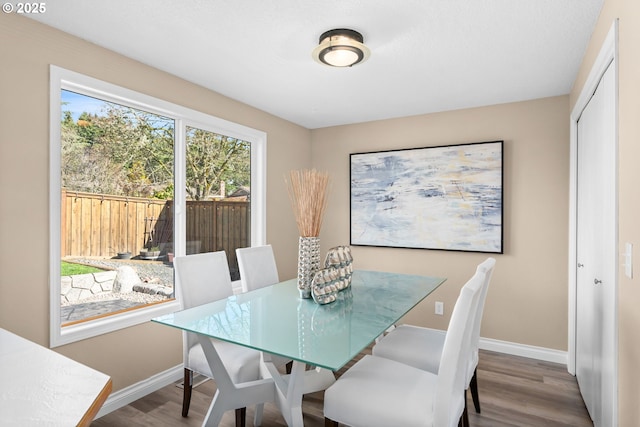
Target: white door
(596, 287)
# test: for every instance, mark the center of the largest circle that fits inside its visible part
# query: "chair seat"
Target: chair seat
(413, 345)
(243, 364)
(364, 394)
(418, 347)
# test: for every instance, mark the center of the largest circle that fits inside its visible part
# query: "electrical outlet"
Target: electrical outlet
(439, 308)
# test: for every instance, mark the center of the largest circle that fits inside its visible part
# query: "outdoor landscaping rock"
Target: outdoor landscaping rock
(108, 286)
(83, 281)
(126, 279)
(65, 284)
(74, 294)
(96, 289)
(154, 289)
(81, 286)
(105, 276)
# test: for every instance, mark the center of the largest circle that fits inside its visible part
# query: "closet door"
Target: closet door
(596, 253)
(587, 333)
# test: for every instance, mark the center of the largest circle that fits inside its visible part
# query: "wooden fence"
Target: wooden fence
(100, 225)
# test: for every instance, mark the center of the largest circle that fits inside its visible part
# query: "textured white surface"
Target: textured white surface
(39, 387)
(426, 55)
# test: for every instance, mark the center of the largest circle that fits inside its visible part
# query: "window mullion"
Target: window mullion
(179, 192)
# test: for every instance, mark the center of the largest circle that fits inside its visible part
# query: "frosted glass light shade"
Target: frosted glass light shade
(341, 48)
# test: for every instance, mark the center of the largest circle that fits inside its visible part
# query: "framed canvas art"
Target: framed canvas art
(445, 197)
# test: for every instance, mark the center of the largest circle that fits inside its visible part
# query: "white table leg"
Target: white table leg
(291, 388)
(229, 395)
(215, 412)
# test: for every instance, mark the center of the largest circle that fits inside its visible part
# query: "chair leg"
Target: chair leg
(465, 413)
(241, 416)
(186, 395)
(330, 423)
(288, 367)
(473, 385)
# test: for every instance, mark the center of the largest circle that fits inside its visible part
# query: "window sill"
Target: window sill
(103, 325)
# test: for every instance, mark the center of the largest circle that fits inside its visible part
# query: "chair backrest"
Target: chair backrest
(455, 354)
(487, 268)
(202, 278)
(257, 267)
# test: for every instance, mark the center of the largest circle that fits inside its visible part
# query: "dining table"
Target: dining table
(319, 339)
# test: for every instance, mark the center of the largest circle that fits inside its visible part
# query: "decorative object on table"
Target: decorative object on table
(334, 277)
(447, 197)
(308, 195)
(308, 263)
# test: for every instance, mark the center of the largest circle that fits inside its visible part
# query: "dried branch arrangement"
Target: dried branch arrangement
(308, 195)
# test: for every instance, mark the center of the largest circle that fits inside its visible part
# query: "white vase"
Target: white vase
(308, 263)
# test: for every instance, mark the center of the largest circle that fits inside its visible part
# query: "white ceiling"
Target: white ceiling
(426, 55)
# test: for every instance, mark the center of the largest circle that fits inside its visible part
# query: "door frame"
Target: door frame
(608, 56)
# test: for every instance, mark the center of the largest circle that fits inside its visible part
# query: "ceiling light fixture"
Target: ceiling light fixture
(341, 48)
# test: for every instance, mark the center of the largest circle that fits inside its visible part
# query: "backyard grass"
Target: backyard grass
(70, 269)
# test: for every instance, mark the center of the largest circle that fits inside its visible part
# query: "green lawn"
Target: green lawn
(70, 269)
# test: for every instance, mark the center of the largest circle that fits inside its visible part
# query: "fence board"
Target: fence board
(100, 225)
(96, 226)
(85, 225)
(132, 228)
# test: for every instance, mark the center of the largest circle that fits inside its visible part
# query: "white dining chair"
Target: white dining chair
(204, 278)
(257, 266)
(379, 392)
(422, 347)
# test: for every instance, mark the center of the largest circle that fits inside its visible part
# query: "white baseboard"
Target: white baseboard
(136, 391)
(524, 350)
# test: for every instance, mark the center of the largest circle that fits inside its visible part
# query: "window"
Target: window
(135, 181)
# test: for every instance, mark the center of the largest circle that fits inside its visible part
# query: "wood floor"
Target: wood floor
(514, 391)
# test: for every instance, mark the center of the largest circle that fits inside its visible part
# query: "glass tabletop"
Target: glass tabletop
(276, 320)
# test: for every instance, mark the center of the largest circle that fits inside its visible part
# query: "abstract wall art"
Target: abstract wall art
(445, 197)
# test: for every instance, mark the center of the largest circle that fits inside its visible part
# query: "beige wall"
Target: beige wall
(26, 50)
(527, 301)
(628, 13)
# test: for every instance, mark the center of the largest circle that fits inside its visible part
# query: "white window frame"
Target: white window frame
(60, 79)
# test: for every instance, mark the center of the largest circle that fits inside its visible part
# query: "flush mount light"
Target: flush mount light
(341, 48)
